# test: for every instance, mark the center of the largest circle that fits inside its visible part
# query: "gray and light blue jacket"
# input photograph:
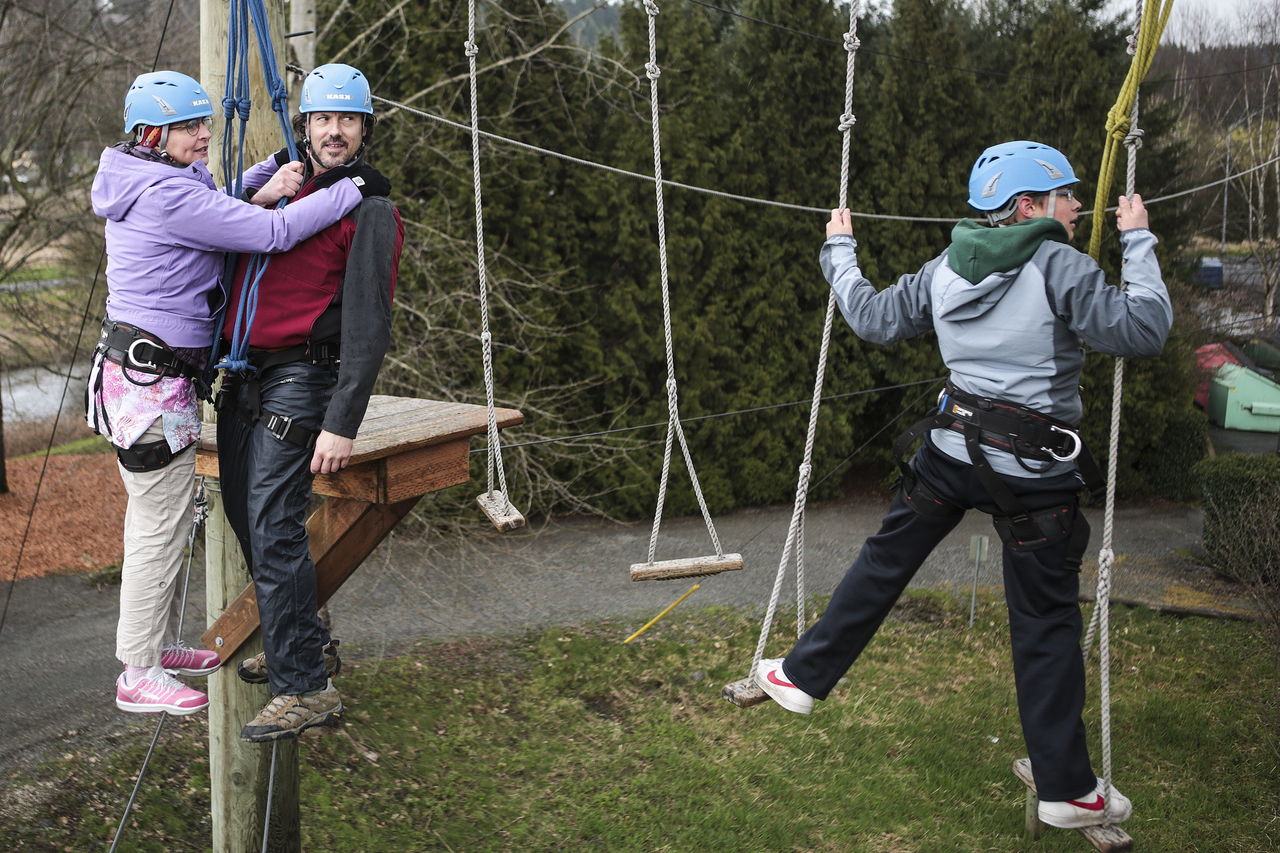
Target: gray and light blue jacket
(1012, 308)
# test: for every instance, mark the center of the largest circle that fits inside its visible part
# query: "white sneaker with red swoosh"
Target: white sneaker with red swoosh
(1090, 810)
(774, 682)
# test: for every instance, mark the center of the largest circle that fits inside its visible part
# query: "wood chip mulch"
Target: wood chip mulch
(78, 518)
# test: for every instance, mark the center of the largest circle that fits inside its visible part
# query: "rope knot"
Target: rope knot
(805, 470)
(1132, 41)
(851, 42)
(1106, 557)
(652, 71)
(651, 7)
(470, 48)
(1117, 122)
(847, 120)
(243, 106)
(486, 338)
(1133, 138)
(228, 107)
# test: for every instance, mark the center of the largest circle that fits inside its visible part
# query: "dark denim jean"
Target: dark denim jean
(266, 487)
(1041, 590)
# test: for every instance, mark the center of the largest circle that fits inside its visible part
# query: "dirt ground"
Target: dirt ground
(78, 518)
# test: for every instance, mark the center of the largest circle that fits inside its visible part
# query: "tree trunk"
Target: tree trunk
(4, 474)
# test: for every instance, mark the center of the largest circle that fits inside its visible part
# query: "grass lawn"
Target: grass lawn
(569, 741)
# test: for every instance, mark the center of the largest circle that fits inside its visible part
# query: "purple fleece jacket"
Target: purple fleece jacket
(167, 228)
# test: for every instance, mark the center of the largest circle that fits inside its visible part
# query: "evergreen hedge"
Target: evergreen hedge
(752, 110)
(1241, 498)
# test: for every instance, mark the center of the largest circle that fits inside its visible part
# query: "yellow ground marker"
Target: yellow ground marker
(669, 608)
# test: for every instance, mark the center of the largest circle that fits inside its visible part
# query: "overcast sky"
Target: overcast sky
(1189, 16)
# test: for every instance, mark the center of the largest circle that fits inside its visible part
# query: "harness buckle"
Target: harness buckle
(277, 425)
(133, 357)
(1077, 445)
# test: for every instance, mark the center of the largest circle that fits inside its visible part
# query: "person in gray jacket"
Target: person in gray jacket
(1011, 303)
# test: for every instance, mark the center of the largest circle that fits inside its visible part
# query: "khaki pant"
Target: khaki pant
(157, 523)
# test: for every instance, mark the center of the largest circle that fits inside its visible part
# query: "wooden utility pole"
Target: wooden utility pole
(264, 136)
(302, 19)
(239, 772)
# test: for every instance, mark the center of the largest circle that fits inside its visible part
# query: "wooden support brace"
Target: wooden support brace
(1106, 839)
(500, 511)
(342, 532)
(744, 693)
(687, 568)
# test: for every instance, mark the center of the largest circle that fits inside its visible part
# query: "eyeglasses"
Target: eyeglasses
(193, 127)
(1069, 195)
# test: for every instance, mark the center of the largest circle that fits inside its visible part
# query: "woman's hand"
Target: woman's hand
(1131, 213)
(840, 223)
(285, 183)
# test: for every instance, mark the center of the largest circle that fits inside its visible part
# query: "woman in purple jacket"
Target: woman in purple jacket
(167, 229)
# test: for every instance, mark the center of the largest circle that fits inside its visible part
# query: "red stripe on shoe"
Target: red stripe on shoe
(1096, 806)
(774, 679)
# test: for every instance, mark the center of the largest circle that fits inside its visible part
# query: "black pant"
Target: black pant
(1041, 590)
(266, 487)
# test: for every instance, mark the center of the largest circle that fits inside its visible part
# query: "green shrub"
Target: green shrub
(1166, 463)
(1241, 498)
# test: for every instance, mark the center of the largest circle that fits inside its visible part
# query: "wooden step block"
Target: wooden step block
(687, 568)
(744, 693)
(1107, 839)
(500, 511)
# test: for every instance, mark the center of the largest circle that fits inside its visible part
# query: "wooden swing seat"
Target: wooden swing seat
(1107, 839)
(687, 568)
(500, 511)
(744, 693)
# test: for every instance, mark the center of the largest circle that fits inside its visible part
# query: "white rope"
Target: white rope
(527, 146)
(1100, 623)
(494, 444)
(674, 427)
(795, 534)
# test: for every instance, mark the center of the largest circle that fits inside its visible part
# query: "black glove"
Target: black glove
(370, 181)
(282, 156)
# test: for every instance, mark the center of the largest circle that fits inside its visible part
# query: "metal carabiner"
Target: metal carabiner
(134, 361)
(1075, 451)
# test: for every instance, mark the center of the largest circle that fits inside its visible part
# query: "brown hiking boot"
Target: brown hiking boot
(254, 670)
(288, 716)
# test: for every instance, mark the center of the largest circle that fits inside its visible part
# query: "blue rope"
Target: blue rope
(236, 103)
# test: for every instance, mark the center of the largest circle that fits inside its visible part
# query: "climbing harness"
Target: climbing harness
(720, 562)
(139, 353)
(283, 427)
(746, 692)
(1020, 431)
(495, 502)
(236, 104)
(1122, 128)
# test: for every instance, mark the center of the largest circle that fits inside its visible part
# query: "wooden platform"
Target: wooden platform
(1107, 839)
(406, 447)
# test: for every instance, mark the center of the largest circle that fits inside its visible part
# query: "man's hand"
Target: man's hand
(332, 453)
(840, 223)
(285, 183)
(1131, 213)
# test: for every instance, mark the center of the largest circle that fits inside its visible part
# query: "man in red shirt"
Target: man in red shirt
(317, 337)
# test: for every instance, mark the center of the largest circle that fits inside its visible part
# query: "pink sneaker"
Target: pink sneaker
(150, 695)
(180, 659)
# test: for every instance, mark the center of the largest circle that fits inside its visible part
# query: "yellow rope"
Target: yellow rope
(669, 608)
(1150, 28)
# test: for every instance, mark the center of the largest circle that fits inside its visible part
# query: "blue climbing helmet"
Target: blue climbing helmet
(162, 98)
(1005, 171)
(336, 88)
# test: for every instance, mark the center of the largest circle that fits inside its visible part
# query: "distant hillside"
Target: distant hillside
(603, 21)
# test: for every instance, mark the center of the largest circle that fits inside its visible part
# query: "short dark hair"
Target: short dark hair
(300, 126)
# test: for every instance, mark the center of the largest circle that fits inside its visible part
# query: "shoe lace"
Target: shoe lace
(179, 648)
(164, 685)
